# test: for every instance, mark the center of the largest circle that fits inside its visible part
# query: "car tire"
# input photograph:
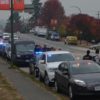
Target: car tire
(70, 93)
(57, 88)
(36, 72)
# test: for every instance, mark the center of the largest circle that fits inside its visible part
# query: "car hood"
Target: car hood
(53, 64)
(90, 79)
(25, 52)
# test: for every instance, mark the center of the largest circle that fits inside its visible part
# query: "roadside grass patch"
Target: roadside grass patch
(7, 92)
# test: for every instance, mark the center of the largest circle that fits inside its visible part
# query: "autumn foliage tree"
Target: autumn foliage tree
(52, 10)
(82, 24)
(95, 29)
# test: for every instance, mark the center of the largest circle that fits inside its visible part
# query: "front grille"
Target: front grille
(28, 56)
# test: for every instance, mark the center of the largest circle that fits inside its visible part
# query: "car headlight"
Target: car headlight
(80, 82)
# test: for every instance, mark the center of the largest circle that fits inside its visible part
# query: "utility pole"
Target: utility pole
(12, 39)
(98, 14)
(98, 17)
(80, 12)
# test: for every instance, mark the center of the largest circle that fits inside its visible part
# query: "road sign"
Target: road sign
(4, 4)
(18, 5)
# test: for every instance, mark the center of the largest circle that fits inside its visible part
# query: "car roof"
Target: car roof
(56, 52)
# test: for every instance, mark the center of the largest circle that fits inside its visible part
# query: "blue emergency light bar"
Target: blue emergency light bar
(39, 53)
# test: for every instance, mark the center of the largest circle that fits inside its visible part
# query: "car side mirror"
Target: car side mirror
(65, 72)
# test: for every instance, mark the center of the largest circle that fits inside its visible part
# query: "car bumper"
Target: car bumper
(22, 61)
(85, 91)
(41, 35)
(51, 77)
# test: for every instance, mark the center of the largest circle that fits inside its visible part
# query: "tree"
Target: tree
(16, 22)
(82, 24)
(64, 26)
(36, 10)
(95, 29)
(52, 12)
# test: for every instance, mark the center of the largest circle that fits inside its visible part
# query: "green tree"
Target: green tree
(16, 22)
(36, 10)
(62, 31)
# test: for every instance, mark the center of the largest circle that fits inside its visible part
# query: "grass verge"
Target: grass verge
(7, 92)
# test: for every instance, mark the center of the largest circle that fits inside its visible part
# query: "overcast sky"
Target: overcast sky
(90, 7)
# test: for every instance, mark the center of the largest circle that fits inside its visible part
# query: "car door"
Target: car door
(42, 64)
(58, 75)
(63, 75)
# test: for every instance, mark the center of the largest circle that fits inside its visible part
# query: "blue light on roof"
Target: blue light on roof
(39, 53)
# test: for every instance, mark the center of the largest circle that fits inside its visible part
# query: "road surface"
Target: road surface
(77, 51)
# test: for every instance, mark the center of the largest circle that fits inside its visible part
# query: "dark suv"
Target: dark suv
(23, 51)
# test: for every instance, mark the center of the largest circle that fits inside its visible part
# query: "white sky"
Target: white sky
(90, 7)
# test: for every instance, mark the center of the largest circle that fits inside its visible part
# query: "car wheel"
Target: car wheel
(57, 88)
(36, 72)
(46, 80)
(71, 94)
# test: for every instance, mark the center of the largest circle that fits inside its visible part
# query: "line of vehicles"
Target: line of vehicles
(52, 35)
(56, 68)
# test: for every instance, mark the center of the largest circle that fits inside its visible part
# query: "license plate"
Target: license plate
(27, 60)
(97, 88)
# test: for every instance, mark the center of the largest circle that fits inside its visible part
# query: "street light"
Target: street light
(77, 8)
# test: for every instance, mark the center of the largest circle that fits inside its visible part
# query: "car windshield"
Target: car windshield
(22, 48)
(59, 57)
(84, 68)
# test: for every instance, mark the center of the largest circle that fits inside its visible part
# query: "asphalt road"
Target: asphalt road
(24, 85)
(77, 51)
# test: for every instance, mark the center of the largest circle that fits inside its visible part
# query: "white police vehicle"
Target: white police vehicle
(49, 62)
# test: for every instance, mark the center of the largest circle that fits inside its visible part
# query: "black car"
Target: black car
(78, 78)
(23, 51)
